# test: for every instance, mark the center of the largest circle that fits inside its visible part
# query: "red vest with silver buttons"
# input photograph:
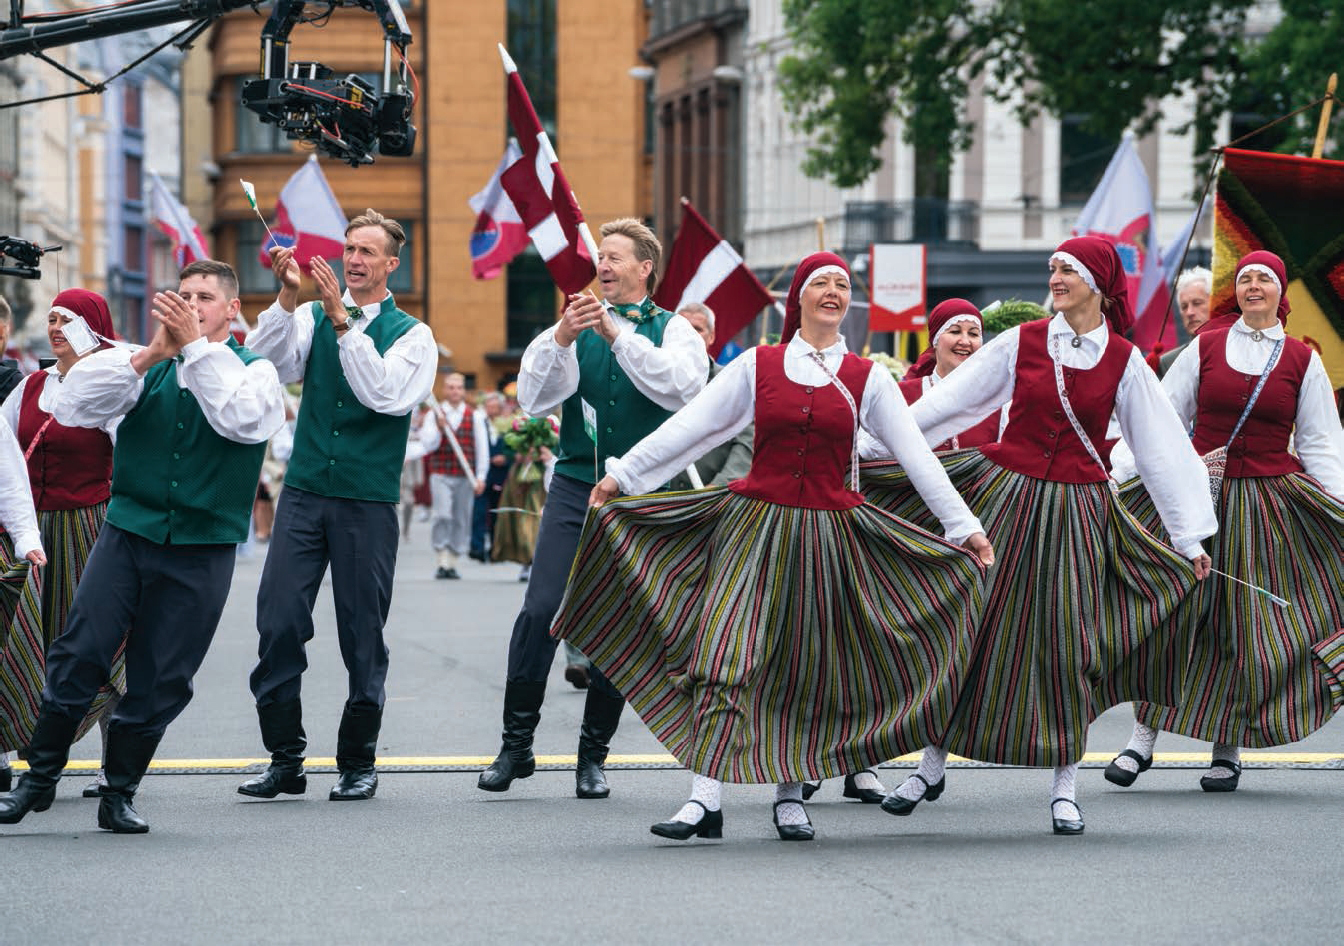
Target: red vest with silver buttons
(1039, 440)
(1261, 447)
(804, 436)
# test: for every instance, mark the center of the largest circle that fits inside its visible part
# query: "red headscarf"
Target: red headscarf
(1229, 317)
(793, 305)
(1104, 273)
(91, 306)
(942, 314)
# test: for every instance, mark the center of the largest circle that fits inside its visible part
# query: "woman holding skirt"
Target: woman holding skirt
(70, 472)
(779, 629)
(1078, 609)
(1253, 679)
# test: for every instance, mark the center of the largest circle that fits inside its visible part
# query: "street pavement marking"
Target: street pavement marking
(1283, 758)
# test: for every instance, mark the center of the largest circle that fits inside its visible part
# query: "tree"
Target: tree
(857, 62)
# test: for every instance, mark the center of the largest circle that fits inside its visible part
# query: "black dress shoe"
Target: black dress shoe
(577, 674)
(1064, 825)
(93, 789)
(276, 780)
(894, 804)
(1123, 777)
(590, 781)
(477, 557)
(27, 796)
(6, 779)
(869, 796)
(355, 785)
(441, 572)
(1228, 784)
(115, 814)
(793, 832)
(452, 573)
(811, 788)
(709, 826)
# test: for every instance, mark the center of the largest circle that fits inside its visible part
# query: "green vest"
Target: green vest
(624, 415)
(342, 449)
(174, 479)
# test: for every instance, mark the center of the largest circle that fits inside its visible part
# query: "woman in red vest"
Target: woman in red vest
(1078, 612)
(956, 332)
(1248, 389)
(779, 629)
(70, 471)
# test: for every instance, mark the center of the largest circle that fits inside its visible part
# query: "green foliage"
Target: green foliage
(1012, 312)
(857, 62)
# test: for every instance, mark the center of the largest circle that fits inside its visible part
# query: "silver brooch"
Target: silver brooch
(1257, 335)
(1076, 341)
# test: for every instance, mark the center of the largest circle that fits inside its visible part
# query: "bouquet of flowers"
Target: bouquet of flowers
(897, 367)
(526, 438)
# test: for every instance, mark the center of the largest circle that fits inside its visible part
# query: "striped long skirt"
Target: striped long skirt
(22, 654)
(1261, 675)
(1078, 612)
(768, 643)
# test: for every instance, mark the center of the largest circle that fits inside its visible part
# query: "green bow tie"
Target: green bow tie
(354, 312)
(639, 314)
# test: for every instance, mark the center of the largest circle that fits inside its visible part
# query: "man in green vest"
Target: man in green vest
(196, 411)
(618, 367)
(365, 365)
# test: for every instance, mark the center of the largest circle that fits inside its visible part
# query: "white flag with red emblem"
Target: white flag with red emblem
(543, 197)
(704, 267)
(1121, 211)
(171, 217)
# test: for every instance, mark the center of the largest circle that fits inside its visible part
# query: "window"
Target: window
(133, 169)
(531, 43)
(531, 298)
(133, 249)
(1083, 157)
(131, 99)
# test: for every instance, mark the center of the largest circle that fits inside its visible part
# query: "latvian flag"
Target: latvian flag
(541, 195)
(703, 267)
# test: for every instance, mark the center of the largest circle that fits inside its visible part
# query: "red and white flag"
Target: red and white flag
(499, 234)
(307, 215)
(1121, 211)
(543, 197)
(704, 267)
(176, 223)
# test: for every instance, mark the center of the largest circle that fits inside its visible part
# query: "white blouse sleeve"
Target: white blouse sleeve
(394, 382)
(284, 339)
(16, 496)
(98, 389)
(1181, 385)
(714, 416)
(669, 374)
(241, 402)
(548, 374)
(1319, 439)
(982, 384)
(9, 411)
(1171, 470)
(884, 412)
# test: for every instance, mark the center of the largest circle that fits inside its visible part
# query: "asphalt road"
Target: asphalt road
(432, 859)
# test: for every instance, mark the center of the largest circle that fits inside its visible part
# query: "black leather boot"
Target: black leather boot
(356, 751)
(522, 712)
(282, 734)
(128, 754)
(48, 751)
(601, 716)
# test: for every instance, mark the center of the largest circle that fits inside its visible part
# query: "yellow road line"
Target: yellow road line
(1283, 757)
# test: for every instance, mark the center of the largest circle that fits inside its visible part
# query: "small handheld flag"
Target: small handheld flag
(251, 191)
(1281, 602)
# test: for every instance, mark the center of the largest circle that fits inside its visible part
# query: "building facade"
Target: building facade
(575, 58)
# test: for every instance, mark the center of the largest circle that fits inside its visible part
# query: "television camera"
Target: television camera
(27, 257)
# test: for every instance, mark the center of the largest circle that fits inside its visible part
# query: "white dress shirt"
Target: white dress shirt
(1173, 473)
(1318, 439)
(242, 403)
(13, 405)
(16, 495)
(431, 437)
(669, 374)
(391, 384)
(728, 404)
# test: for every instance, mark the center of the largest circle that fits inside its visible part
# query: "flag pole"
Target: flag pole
(584, 233)
(1324, 125)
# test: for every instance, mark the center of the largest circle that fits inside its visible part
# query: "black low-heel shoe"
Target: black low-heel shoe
(1228, 784)
(793, 832)
(894, 804)
(1066, 825)
(811, 788)
(27, 796)
(869, 796)
(710, 826)
(1117, 775)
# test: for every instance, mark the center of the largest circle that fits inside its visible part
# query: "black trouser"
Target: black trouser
(165, 601)
(531, 649)
(358, 539)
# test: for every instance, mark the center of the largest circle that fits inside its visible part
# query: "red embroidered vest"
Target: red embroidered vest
(804, 436)
(444, 459)
(985, 432)
(1261, 447)
(1039, 440)
(70, 467)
